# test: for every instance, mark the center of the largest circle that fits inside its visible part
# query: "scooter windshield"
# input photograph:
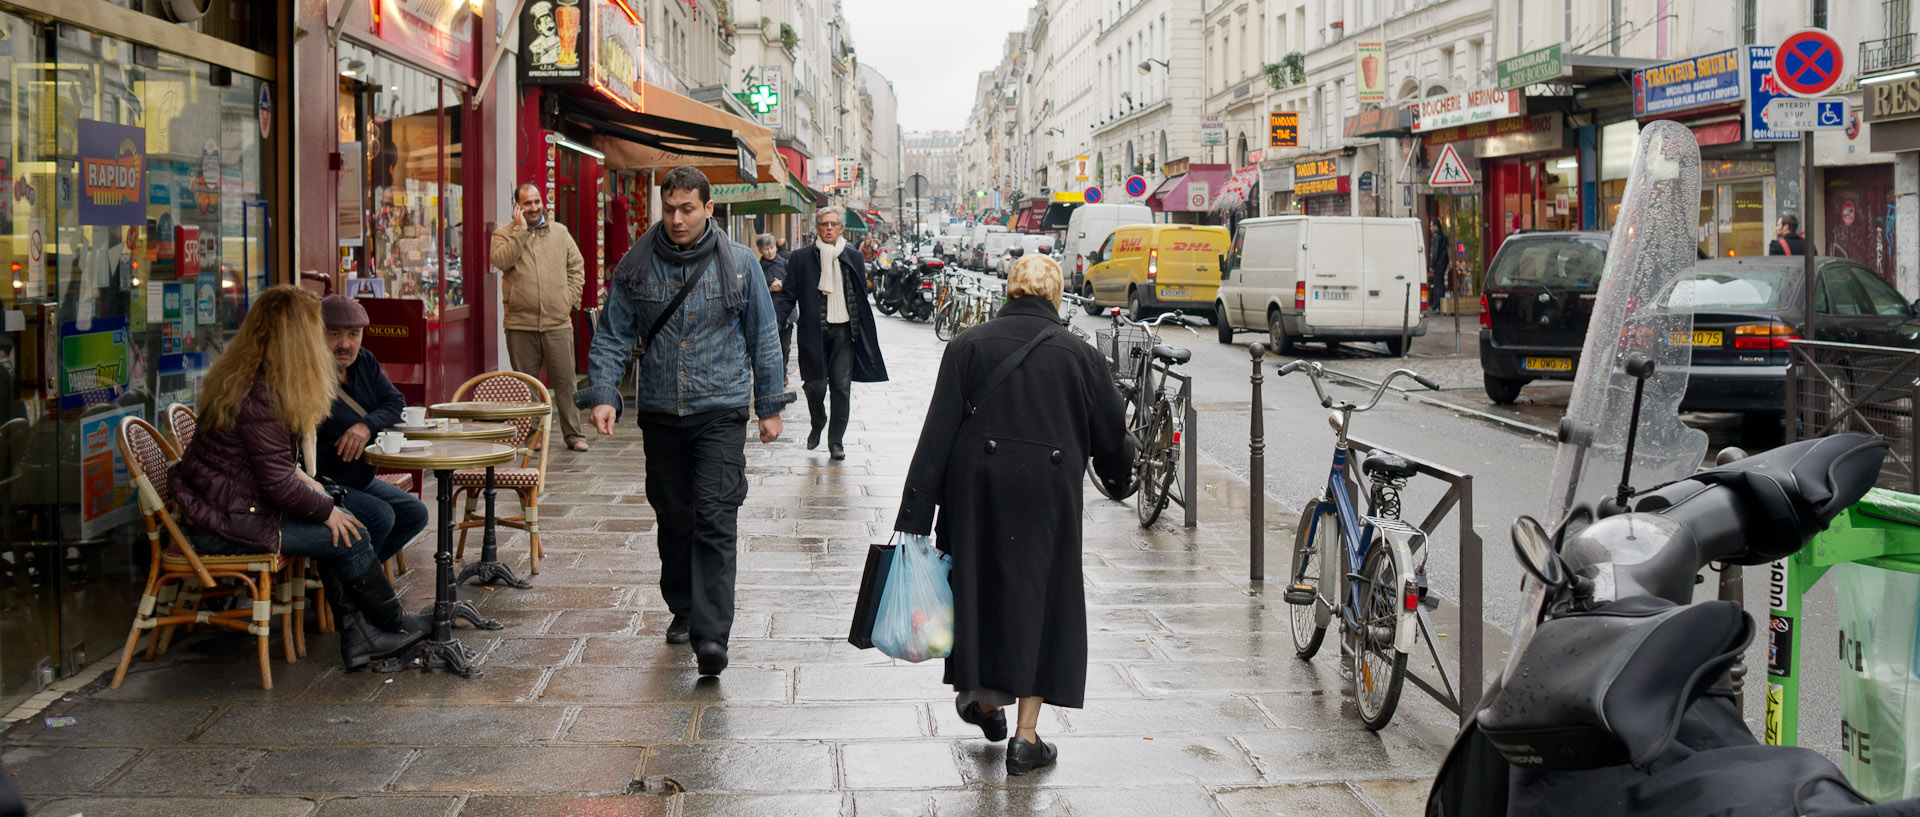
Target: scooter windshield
(1653, 247)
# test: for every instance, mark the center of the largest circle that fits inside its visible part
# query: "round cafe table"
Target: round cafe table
(442, 458)
(457, 431)
(477, 413)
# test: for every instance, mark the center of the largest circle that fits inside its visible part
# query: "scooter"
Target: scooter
(1618, 695)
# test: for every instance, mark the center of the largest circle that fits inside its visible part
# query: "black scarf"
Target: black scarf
(633, 270)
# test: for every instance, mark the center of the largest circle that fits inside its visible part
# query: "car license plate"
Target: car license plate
(1549, 364)
(1173, 292)
(1333, 294)
(1697, 338)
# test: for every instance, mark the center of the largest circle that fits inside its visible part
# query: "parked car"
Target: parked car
(1151, 267)
(1534, 305)
(1324, 278)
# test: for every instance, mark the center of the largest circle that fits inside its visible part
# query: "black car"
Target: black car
(1534, 307)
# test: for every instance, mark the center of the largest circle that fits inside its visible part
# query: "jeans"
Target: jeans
(838, 348)
(696, 480)
(312, 540)
(393, 517)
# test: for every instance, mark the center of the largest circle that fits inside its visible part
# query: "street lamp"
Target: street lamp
(1146, 65)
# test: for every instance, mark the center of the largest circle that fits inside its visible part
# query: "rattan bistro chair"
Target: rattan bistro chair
(175, 563)
(528, 478)
(182, 422)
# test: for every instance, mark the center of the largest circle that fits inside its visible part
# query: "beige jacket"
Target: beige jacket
(542, 275)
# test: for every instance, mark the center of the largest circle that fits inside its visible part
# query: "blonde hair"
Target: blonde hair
(283, 341)
(1035, 274)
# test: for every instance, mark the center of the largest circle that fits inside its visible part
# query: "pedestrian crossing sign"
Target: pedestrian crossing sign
(1449, 171)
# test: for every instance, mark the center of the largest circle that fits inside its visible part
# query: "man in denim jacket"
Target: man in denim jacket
(715, 355)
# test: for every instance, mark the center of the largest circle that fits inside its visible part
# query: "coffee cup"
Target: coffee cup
(390, 441)
(414, 415)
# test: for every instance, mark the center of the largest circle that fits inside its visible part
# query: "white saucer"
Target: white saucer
(414, 445)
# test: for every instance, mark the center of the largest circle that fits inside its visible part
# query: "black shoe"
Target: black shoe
(837, 451)
(813, 438)
(374, 625)
(712, 657)
(678, 631)
(992, 725)
(1023, 757)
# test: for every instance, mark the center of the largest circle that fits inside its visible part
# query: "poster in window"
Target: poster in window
(94, 361)
(551, 32)
(113, 160)
(106, 493)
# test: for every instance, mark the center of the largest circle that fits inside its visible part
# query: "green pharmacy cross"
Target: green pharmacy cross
(763, 98)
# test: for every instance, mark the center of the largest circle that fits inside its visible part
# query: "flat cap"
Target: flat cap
(342, 312)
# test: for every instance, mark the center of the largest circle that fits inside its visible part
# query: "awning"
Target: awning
(1059, 214)
(675, 131)
(1237, 190)
(1171, 195)
(855, 224)
(765, 198)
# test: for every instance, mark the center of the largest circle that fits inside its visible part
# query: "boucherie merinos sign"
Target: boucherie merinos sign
(1465, 108)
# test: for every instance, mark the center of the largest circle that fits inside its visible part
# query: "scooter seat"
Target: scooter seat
(1172, 354)
(1388, 464)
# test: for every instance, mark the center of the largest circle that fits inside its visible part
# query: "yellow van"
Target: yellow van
(1152, 267)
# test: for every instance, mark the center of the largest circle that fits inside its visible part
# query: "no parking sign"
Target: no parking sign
(1808, 62)
(1136, 186)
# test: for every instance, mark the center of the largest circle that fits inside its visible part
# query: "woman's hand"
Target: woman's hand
(309, 481)
(345, 527)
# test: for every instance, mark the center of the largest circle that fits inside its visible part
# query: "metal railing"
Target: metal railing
(1887, 54)
(1837, 387)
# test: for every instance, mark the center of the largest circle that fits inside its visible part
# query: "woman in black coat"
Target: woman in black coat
(1007, 477)
(775, 269)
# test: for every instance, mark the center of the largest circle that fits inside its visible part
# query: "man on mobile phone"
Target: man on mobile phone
(542, 275)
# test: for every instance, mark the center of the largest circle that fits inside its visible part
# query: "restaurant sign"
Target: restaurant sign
(1699, 82)
(1540, 65)
(741, 193)
(599, 43)
(1464, 108)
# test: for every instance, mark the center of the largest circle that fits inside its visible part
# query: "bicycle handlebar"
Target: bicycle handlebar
(1120, 316)
(1315, 371)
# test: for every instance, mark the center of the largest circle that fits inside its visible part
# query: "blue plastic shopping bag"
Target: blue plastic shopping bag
(915, 619)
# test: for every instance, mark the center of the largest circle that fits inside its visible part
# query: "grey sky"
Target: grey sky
(933, 52)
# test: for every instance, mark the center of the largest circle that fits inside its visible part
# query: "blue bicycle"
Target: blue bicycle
(1382, 559)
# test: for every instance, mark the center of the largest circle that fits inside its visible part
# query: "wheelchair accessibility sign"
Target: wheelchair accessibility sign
(1806, 114)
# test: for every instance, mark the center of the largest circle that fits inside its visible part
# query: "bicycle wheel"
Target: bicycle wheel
(1318, 535)
(1159, 465)
(1379, 670)
(945, 321)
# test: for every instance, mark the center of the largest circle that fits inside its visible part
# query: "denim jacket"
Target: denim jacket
(707, 357)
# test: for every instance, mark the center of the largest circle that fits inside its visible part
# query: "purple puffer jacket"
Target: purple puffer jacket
(236, 482)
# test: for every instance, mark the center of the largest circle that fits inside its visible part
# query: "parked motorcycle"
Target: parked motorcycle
(1618, 695)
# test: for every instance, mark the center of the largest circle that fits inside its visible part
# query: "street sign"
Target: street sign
(1808, 62)
(1213, 131)
(1449, 171)
(1283, 129)
(1806, 114)
(1198, 195)
(1093, 195)
(1136, 186)
(1762, 89)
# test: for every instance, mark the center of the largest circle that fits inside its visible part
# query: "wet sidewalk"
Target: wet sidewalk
(1196, 705)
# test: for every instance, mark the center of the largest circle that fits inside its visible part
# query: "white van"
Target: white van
(1028, 244)
(1325, 278)
(1087, 229)
(994, 252)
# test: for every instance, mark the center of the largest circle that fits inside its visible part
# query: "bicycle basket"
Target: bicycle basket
(1119, 345)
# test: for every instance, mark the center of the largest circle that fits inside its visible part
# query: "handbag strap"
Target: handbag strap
(674, 305)
(1006, 367)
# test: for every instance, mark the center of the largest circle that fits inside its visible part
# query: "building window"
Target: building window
(1819, 13)
(1898, 14)
(1749, 20)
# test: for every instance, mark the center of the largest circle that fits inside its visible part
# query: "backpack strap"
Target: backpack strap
(1006, 367)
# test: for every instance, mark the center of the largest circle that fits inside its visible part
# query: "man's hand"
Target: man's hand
(519, 217)
(769, 428)
(353, 442)
(602, 419)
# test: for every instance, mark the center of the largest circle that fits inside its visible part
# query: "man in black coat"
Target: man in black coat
(1787, 238)
(1439, 257)
(836, 335)
(774, 267)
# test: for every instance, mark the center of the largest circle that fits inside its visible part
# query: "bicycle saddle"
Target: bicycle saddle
(1389, 464)
(1172, 354)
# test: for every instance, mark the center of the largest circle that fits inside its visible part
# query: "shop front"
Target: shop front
(1323, 185)
(1737, 193)
(140, 193)
(1186, 196)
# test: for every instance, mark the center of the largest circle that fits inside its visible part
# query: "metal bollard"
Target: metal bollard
(1257, 471)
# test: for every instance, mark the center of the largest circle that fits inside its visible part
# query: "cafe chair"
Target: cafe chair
(182, 422)
(528, 478)
(175, 564)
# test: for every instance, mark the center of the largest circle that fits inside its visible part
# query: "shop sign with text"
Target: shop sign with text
(1371, 57)
(113, 163)
(1713, 79)
(1465, 108)
(619, 46)
(1541, 65)
(1315, 187)
(438, 30)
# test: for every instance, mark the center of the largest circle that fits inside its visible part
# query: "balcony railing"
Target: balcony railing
(1882, 55)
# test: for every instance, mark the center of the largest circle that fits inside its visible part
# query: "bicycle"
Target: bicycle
(1382, 558)
(1156, 416)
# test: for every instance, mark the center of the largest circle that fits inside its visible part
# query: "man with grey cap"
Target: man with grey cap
(365, 403)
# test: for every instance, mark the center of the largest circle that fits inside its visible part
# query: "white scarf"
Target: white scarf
(830, 279)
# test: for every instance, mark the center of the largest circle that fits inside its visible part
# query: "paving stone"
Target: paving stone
(492, 684)
(1186, 801)
(531, 652)
(621, 685)
(1323, 800)
(811, 722)
(595, 805)
(1253, 675)
(1176, 716)
(631, 724)
(40, 770)
(520, 769)
(918, 765)
(193, 770)
(554, 598)
(1395, 798)
(149, 806)
(772, 767)
(593, 622)
(383, 725)
(199, 681)
(636, 651)
(101, 722)
(764, 805)
(901, 682)
(1392, 752)
(359, 769)
(387, 806)
(1223, 646)
(1119, 761)
(975, 802)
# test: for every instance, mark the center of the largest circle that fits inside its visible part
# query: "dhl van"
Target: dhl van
(1149, 268)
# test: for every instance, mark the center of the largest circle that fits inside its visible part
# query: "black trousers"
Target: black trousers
(786, 346)
(696, 480)
(837, 340)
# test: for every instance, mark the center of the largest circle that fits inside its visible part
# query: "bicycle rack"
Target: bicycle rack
(1451, 693)
(1189, 450)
